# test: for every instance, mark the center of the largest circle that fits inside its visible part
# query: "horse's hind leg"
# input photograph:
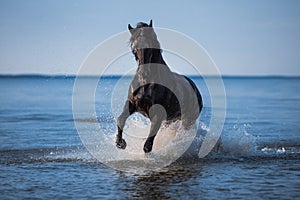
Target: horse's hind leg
(127, 111)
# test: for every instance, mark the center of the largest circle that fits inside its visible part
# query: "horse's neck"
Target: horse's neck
(152, 67)
(151, 55)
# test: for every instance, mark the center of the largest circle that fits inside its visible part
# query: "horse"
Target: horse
(155, 91)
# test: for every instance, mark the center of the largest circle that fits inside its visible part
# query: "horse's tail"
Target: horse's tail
(199, 97)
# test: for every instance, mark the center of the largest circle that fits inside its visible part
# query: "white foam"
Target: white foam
(268, 150)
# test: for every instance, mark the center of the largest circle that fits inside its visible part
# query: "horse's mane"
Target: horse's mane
(142, 37)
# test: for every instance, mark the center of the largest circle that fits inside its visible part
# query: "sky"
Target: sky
(257, 37)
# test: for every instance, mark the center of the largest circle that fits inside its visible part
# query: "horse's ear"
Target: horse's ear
(130, 28)
(150, 24)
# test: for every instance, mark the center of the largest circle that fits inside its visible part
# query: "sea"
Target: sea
(43, 156)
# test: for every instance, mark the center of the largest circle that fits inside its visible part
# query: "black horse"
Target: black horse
(155, 91)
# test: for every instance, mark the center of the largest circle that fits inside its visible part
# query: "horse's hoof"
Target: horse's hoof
(147, 148)
(121, 144)
(148, 145)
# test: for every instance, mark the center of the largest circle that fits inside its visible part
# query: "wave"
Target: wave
(238, 145)
(100, 119)
(54, 117)
(44, 155)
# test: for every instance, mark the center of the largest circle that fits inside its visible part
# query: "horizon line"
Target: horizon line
(130, 75)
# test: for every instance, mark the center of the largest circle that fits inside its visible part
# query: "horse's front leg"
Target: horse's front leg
(157, 115)
(127, 111)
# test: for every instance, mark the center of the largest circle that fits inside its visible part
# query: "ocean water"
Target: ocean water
(42, 155)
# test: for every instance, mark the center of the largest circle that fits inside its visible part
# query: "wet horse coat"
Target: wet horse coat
(155, 91)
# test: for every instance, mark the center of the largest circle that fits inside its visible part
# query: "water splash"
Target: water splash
(237, 142)
(170, 143)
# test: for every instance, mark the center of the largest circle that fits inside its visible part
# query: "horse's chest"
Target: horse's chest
(142, 100)
(144, 97)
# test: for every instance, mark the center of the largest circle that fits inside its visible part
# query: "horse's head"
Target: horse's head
(143, 40)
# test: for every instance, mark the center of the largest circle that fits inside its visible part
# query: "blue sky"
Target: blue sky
(257, 37)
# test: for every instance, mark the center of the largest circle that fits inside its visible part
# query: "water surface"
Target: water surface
(42, 156)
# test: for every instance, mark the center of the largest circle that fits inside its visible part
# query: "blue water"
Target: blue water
(42, 156)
